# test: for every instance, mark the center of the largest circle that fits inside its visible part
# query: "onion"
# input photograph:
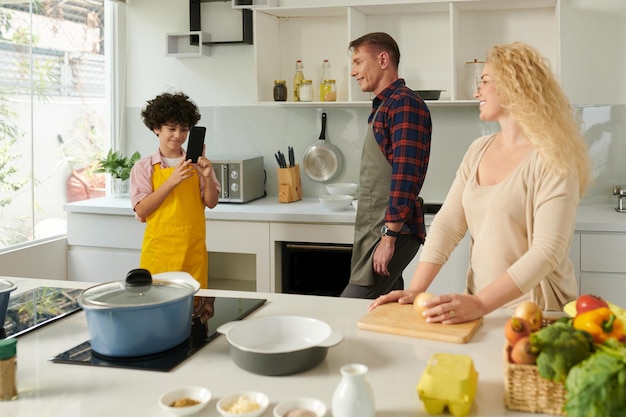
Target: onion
(516, 328)
(420, 299)
(530, 312)
(522, 353)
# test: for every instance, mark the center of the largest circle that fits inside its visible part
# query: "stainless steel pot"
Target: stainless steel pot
(6, 287)
(279, 345)
(322, 161)
(140, 316)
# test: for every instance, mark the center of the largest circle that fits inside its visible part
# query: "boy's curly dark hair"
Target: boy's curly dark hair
(170, 108)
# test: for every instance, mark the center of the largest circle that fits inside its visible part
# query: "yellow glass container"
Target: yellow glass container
(449, 380)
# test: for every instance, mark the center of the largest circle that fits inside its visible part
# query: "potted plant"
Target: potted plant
(118, 167)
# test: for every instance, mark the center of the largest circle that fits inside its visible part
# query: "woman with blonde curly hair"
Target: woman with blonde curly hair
(515, 193)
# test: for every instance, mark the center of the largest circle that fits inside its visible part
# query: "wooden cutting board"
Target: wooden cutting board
(403, 320)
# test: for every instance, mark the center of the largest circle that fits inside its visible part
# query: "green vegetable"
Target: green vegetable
(559, 346)
(596, 387)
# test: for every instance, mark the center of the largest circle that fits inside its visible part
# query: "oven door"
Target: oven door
(315, 268)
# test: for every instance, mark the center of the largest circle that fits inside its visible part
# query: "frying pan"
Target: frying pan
(322, 161)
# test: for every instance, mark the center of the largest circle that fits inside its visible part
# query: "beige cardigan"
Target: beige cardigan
(523, 225)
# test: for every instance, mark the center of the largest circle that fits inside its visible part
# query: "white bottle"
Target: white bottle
(353, 397)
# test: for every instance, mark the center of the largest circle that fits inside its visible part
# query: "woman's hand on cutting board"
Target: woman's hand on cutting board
(453, 308)
(446, 309)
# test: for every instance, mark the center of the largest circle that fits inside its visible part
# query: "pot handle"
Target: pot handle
(334, 338)
(226, 327)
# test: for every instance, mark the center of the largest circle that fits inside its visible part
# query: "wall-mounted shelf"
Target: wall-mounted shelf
(193, 44)
(250, 4)
(195, 23)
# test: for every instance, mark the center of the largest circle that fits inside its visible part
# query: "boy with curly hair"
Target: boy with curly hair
(169, 192)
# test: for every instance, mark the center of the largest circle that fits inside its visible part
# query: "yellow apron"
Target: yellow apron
(175, 234)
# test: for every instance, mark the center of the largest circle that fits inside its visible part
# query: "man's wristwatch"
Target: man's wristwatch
(385, 231)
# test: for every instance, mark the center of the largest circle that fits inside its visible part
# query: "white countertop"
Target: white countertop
(590, 218)
(395, 366)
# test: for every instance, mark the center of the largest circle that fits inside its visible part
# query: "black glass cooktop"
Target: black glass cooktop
(226, 309)
(34, 308)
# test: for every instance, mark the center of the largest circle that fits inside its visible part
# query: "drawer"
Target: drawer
(611, 287)
(603, 252)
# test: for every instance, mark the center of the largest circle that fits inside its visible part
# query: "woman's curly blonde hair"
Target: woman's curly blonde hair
(531, 94)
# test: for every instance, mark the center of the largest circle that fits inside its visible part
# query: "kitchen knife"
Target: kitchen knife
(280, 165)
(292, 159)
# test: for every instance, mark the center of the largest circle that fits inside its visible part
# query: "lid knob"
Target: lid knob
(138, 278)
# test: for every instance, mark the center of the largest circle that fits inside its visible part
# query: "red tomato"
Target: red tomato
(588, 302)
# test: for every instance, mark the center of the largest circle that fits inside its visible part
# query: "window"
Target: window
(55, 62)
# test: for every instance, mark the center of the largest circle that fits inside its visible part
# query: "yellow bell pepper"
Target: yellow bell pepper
(601, 324)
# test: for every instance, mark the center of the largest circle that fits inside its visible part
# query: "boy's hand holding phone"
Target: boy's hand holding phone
(195, 143)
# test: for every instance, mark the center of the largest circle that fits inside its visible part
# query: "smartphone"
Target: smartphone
(195, 143)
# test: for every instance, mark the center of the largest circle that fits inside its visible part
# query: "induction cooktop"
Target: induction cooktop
(37, 307)
(226, 310)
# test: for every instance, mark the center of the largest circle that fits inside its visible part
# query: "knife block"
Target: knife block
(289, 185)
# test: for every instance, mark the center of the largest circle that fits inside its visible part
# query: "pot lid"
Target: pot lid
(138, 290)
(6, 286)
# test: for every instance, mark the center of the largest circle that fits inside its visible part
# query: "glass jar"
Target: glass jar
(473, 72)
(305, 90)
(8, 365)
(328, 91)
(280, 90)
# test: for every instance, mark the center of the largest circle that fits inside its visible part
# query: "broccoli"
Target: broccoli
(597, 386)
(559, 347)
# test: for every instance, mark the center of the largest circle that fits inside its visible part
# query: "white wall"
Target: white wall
(223, 85)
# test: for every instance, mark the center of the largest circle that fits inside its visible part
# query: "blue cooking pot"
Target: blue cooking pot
(140, 316)
(5, 291)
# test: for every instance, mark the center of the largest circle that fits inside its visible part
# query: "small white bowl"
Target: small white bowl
(310, 404)
(228, 400)
(336, 202)
(342, 188)
(195, 393)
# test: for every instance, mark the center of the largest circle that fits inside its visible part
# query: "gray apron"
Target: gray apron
(374, 190)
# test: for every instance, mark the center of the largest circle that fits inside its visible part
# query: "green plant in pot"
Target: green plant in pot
(118, 167)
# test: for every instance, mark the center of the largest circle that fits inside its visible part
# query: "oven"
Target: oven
(315, 268)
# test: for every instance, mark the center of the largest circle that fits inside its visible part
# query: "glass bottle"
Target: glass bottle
(297, 80)
(280, 90)
(353, 397)
(328, 89)
(8, 367)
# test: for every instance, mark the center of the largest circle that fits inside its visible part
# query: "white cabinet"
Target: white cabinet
(436, 38)
(603, 265)
(104, 248)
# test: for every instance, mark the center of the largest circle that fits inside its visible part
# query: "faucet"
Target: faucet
(620, 192)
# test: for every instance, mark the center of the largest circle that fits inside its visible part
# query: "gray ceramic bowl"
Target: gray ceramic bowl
(279, 345)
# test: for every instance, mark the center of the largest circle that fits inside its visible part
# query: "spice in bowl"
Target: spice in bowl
(184, 402)
(300, 412)
(243, 405)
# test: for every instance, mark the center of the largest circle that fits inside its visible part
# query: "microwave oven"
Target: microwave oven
(241, 179)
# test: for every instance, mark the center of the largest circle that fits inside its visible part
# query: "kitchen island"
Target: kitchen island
(395, 365)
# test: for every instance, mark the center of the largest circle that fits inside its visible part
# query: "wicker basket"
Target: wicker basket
(526, 390)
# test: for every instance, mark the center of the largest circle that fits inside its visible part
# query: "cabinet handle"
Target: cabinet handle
(308, 246)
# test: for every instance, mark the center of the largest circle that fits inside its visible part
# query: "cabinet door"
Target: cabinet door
(603, 252)
(611, 287)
